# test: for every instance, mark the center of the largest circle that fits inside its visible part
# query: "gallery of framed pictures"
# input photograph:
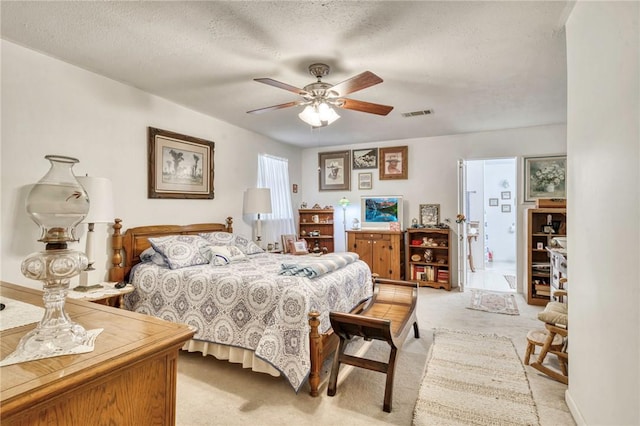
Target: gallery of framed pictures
(545, 177)
(334, 170)
(180, 166)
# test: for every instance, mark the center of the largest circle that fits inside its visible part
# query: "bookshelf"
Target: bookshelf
(316, 227)
(542, 225)
(428, 257)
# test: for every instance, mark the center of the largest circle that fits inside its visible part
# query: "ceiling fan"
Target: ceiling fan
(319, 97)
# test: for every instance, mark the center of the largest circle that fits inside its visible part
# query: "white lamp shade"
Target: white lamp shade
(100, 192)
(256, 200)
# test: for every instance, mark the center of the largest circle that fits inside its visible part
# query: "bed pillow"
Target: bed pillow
(247, 246)
(181, 251)
(221, 255)
(150, 255)
(219, 238)
(228, 239)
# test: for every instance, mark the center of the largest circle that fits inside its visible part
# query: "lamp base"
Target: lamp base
(88, 280)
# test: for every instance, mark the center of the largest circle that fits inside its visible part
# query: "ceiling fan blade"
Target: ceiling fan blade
(273, 108)
(281, 85)
(359, 82)
(365, 106)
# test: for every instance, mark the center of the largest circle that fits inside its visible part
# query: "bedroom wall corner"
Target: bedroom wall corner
(51, 107)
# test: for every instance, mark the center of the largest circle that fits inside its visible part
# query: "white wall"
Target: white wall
(50, 107)
(500, 231)
(433, 170)
(604, 212)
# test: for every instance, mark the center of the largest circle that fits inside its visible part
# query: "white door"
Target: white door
(461, 230)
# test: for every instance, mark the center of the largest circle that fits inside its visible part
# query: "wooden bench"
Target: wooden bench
(387, 316)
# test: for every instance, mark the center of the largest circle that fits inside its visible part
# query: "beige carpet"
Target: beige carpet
(474, 379)
(212, 392)
(494, 302)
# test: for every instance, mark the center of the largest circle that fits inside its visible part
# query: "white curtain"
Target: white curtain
(273, 173)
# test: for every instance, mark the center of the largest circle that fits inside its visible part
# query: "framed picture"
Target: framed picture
(505, 195)
(493, 202)
(334, 171)
(365, 180)
(429, 214)
(545, 177)
(506, 208)
(298, 247)
(394, 163)
(365, 158)
(287, 239)
(179, 166)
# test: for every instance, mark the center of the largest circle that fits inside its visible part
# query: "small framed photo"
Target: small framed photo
(179, 166)
(365, 180)
(493, 202)
(365, 158)
(540, 246)
(334, 171)
(506, 208)
(394, 163)
(287, 239)
(429, 214)
(505, 195)
(298, 247)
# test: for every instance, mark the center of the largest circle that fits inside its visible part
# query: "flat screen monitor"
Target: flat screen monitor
(378, 212)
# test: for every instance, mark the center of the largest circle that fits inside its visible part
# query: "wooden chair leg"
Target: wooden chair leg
(527, 354)
(562, 378)
(388, 388)
(335, 367)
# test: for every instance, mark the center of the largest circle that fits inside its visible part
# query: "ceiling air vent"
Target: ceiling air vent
(417, 113)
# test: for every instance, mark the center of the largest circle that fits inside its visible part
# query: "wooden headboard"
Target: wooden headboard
(128, 246)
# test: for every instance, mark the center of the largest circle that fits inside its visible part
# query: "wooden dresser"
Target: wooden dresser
(383, 251)
(129, 379)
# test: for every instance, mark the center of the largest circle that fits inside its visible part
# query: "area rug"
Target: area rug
(494, 302)
(511, 279)
(474, 379)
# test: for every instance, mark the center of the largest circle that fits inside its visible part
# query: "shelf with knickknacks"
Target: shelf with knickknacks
(428, 256)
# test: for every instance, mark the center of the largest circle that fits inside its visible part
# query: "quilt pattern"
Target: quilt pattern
(248, 304)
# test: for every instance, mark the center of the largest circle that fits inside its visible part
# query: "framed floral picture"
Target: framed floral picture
(334, 170)
(394, 163)
(545, 177)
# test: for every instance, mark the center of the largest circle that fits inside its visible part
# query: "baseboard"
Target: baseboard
(573, 409)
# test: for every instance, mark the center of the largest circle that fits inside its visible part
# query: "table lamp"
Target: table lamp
(100, 194)
(257, 201)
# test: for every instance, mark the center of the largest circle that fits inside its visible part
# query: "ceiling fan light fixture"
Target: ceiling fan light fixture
(318, 115)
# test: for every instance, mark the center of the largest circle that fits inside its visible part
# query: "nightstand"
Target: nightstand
(108, 295)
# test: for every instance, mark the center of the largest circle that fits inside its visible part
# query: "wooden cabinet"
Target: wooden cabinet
(428, 257)
(381, 250)
(316, 227)
(542, 226)
(129, 378)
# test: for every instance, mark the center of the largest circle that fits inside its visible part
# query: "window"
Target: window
(273, 173)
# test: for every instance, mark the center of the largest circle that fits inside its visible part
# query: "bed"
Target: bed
(244, 311)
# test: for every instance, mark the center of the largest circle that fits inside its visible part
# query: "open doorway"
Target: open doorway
(490, 209)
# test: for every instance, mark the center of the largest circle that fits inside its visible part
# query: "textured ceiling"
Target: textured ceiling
(478, 65)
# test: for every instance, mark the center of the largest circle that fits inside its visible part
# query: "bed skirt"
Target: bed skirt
(246, 357)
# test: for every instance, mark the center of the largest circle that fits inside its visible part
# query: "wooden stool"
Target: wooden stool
(537, 338)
